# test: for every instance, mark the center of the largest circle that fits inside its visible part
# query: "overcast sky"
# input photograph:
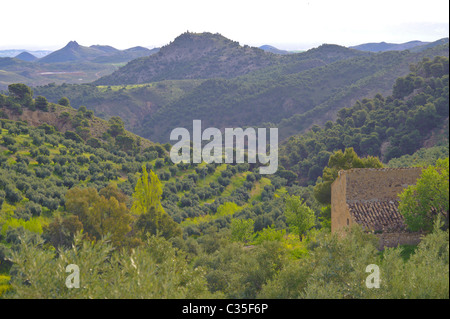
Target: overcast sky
(286, 24)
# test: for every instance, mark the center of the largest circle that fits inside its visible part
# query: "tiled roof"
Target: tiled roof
(378, 215)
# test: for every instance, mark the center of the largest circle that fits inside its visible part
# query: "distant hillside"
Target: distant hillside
(277, 94)
(419, 48)
(63, 119)
(105, 48)
(13, 70)
(383, 46)
(73, 52)
(72, 64)
(134, 103)
(413, 116)
(413, 46)
(272, 49)
(25, 56)
(193, 56)
(379, 82)
(299, 91)
(14, 52)
(125, 55)
(6, 63)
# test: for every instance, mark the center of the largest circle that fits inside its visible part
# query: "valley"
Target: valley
(292, 93)
(87, 176)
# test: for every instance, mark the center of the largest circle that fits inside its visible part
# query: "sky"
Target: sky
(286, 24)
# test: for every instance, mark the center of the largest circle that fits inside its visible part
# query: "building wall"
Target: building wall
(378, 184)
(395, 239)
(362, 185)
(340, 214)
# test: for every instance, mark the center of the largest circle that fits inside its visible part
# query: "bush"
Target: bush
(73, 136)
(2, 197)
(41, 103)
(12, 195)
(8, 140)
(43, 160)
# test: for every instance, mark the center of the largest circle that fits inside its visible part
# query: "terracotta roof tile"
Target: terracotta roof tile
(378, 215)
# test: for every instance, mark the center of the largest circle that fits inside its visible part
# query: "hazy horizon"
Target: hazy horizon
(287, 25)
(281, 46)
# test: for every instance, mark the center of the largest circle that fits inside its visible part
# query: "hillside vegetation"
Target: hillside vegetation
(192, 56)
(75, 189)
(291, 92)
(386, 127)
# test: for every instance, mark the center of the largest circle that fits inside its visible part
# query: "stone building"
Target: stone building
(369, 197)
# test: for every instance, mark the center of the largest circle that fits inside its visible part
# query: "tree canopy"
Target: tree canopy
(421, 204)
(341, 161)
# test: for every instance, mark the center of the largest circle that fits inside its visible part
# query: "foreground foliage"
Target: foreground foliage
(155, 270)
(334, 268)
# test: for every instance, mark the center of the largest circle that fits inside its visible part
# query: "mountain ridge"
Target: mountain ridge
(193, 55)
(74, 52)
(413, 46)
(304, 89)
(272, 49)
(26, 56)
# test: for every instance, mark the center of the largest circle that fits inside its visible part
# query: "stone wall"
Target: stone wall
(371, 185)
(340, 213)
(378, 184)
(395, 239)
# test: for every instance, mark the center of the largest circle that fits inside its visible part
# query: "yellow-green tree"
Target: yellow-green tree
(109, 217)
(242, 230)
(147, 193)
(147, 206)
(299, 216)
(100, 215)
(422, 203)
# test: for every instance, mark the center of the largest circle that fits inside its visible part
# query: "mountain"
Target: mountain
(272, 49)
(25, 56)
(72, 64)
(276, 96)
(419, 48)
(105, 48)
(413, 46)
(136, 102)
(124, 56)
(296, 92)
(193, 56)
(74, 52)
(383, 46)
(292, 92)
(14, 52)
